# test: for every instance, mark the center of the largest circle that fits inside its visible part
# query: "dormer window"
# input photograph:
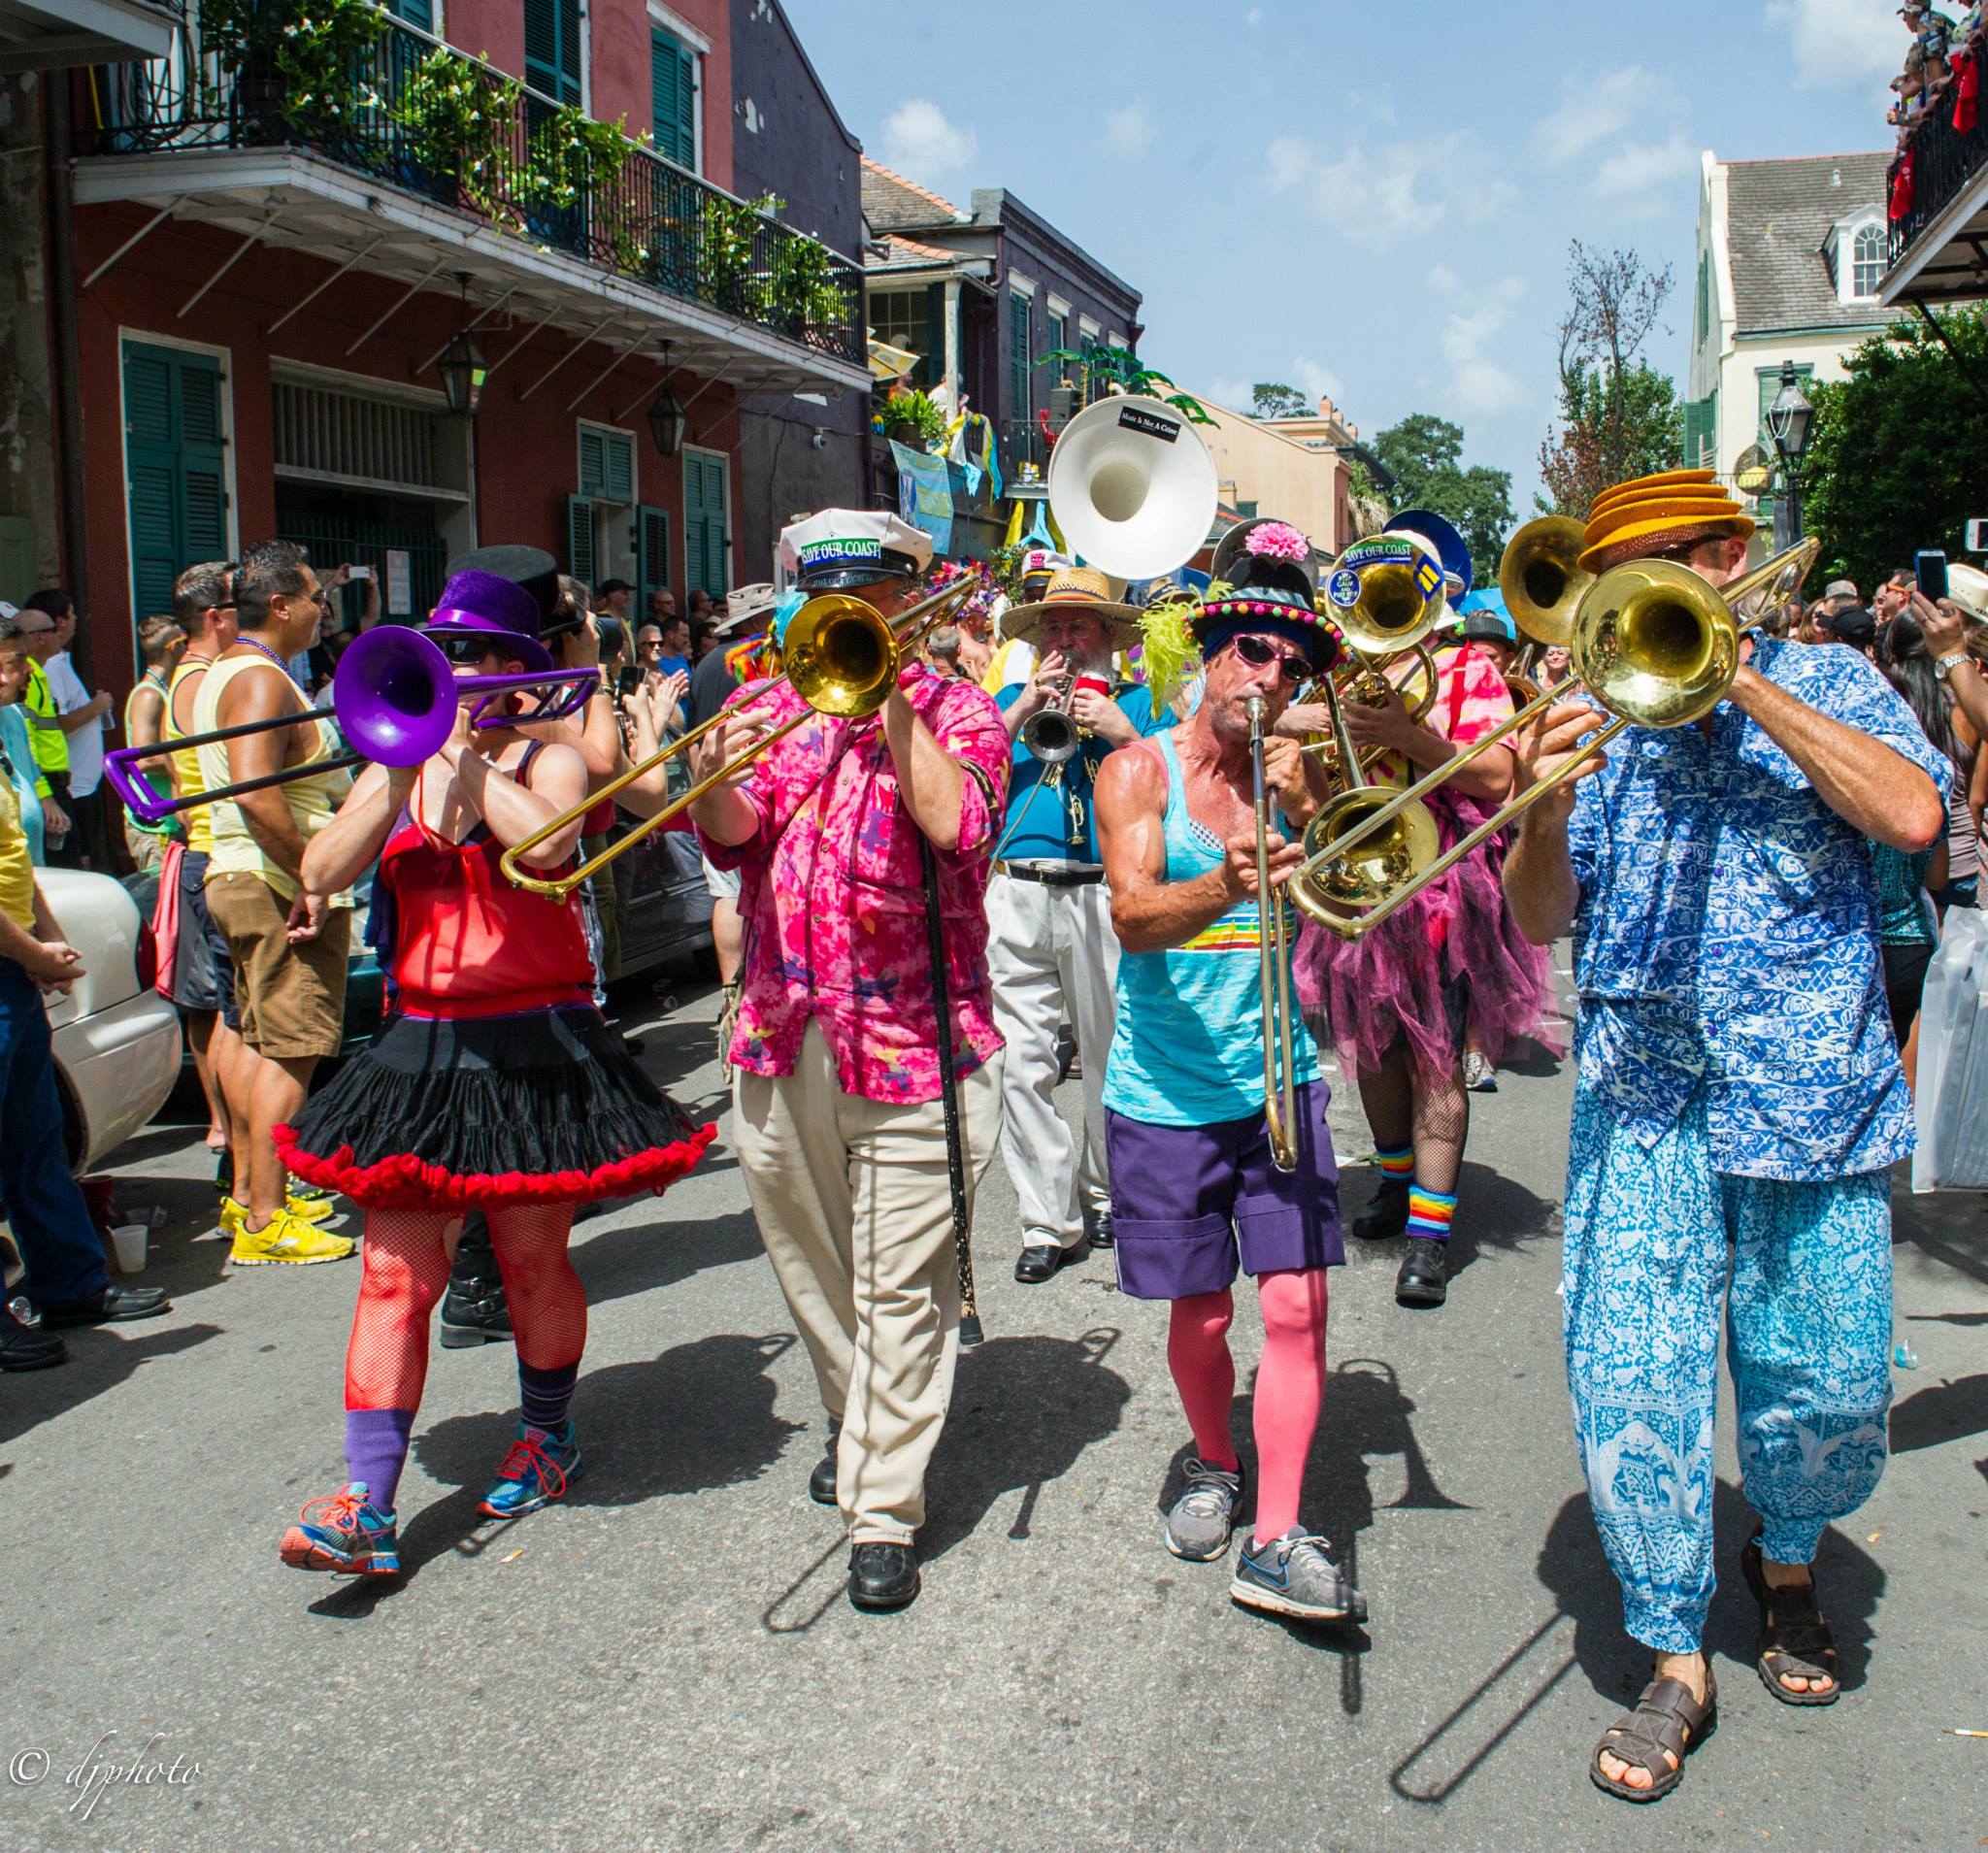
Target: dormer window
(1857, 257)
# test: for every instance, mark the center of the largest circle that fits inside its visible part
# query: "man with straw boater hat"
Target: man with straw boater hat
(1053, 955)
(1738, 1107)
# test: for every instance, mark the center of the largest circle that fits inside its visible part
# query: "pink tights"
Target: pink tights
(1290, 1382)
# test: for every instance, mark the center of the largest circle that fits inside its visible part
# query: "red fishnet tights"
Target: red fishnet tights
(405, 1260)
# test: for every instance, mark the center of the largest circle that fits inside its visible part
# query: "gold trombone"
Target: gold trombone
(1654, 644)
(841, 658)
(1365, 679)
(1273, 971)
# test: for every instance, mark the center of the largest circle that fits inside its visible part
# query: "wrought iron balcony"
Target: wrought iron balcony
(1945, 162)
(383, 99)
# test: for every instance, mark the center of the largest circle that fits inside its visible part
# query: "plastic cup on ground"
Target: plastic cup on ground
(129, 1240)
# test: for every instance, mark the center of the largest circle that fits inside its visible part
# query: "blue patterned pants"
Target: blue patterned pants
(1653, 1240)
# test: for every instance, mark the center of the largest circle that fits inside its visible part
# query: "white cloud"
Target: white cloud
(1597, 110)
(1841, 44)
(1647, 167)
(1317, 381)
(919, 141)
(1233, 393)
(1129, 132)
(1253, 18)
(1384, 194)
(1479, 386)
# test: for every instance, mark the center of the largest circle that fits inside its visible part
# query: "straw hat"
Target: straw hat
(1651, 514)
(1076, 589)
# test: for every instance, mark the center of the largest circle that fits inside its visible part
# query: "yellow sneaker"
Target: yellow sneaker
(287, 1241)
(233, 1215)
(311, 1208)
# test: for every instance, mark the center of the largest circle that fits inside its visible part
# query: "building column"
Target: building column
(952, 340)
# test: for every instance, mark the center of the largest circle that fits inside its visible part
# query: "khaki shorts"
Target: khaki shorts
(291, 998)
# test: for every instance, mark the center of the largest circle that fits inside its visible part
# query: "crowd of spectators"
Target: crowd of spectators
(1942, 72)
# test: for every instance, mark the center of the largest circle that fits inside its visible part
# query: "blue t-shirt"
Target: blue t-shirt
(1049, 806)
(673, 666)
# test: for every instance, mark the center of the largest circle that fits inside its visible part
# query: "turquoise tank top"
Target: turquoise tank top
(1187, 1047)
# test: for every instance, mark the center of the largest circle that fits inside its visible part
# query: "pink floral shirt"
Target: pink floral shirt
(833, 896)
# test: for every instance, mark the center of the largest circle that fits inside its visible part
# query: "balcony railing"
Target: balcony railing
(397, 104)
(1944, 163)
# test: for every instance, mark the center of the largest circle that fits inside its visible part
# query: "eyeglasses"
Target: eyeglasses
(1260, 653)
(465, 649)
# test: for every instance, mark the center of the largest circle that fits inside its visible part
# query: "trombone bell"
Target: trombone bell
(1385, 595)
(1337, 890)
(1540, 578)
(1656, 644)
(841, 656)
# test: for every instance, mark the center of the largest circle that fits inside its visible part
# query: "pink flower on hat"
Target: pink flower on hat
(1277, 541)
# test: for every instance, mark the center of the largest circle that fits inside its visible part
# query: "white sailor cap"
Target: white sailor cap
(837, 548)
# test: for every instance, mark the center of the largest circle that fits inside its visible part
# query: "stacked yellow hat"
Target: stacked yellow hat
(1653, 513)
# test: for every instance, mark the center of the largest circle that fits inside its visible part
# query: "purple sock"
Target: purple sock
(543, 1395)
(376, 1451)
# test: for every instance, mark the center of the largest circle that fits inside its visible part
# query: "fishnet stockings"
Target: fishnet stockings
(405, 1263)
(548, 1303)
(1403, 1108)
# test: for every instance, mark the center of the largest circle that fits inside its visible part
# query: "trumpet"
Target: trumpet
(1273, 971)
(1655, 646)
(841, 658)
(1050, 733)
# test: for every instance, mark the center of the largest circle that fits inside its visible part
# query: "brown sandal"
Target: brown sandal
(1667, 1719)
(1794, 1637)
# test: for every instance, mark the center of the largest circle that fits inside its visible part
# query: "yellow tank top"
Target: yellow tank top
(311, 798)
(186, 766)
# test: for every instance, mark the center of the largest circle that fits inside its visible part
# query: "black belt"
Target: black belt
(1052, 874)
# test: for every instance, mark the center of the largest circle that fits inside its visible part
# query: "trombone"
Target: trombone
(841, 658)
(1274, 971)
(1654, 644)
(1365, 679)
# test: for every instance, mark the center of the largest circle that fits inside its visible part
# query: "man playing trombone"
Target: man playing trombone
(1210, 1169)
(840, 831)
(1052, 948)
(1739, 1103)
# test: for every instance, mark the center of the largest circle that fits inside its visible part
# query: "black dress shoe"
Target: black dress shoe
(821, 1482)
(1386, 1216)
(1097, 1228)
(1045, 1260)
(24, 1348)
(883, 1577)
(107, 1308)
(1424, 1279)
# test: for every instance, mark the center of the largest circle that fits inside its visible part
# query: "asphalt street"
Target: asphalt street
(667, 1659)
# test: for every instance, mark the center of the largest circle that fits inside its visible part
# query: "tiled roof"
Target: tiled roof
(890, 200)
(1779, 219)
(898, 250)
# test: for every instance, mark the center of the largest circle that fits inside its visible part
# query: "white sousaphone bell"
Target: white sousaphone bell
(1132, 486)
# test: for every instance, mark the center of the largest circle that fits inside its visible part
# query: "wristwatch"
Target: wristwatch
(1948, 664)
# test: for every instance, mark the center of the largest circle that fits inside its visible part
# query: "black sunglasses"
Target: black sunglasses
(464, 649)
(1260, 653)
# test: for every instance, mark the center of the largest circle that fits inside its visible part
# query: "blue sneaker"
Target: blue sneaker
(344, 1532)
(1294, 1575)
(540, 1467)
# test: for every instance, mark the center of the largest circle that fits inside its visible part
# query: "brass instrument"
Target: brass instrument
(1273, 971)
(1050, 733)
(1365, 679)
(1385, 595)
(1654, 644)
(842, 657)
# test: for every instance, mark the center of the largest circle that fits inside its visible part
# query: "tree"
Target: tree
(1424, 455)
(1617, 417)
(1595, 444)
(1275, 400)
(1889, 468)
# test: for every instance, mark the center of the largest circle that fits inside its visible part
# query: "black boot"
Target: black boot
(821, 1482)
(883, 1577)
(1386, 1216)
(475, 1310)
(1424, 1279)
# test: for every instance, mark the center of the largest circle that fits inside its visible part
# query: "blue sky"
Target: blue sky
(1370, 200)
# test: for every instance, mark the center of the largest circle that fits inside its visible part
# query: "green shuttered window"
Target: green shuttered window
(705, 522)
(673, 85)
(176, 467)
(552, 47)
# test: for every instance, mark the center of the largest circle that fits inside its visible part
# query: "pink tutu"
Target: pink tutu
(1456, 937)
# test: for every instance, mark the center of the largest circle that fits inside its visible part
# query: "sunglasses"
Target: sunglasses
(1260, 653)
(465, 651)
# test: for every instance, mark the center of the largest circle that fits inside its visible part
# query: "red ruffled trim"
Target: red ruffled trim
(405, 1181)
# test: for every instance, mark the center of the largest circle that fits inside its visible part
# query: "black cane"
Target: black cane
(970, 1333)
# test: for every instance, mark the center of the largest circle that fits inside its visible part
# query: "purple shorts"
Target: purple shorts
(1189, 1202)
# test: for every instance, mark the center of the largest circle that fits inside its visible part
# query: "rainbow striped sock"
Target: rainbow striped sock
(1397, 1165)
(1429, 1213)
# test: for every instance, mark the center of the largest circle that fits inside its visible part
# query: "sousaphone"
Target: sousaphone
(1132, 486)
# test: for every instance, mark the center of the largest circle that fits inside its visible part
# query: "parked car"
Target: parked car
(117, 1041)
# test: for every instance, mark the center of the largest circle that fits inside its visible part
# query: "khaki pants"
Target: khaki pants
(856, 1213)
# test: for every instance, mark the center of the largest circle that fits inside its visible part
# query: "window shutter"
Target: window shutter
(154, 543)
(177, 496)
(593, 462)
(704, 522)
(552, 47)
(569, 50)
(1018, 356)
(673, 97)
(652, 551)
(579, 538)
(618, 467)
(416, 13)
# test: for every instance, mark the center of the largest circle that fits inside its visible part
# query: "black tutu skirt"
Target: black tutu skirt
(470, 1113)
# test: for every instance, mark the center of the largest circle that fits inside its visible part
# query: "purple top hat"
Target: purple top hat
(499, 608)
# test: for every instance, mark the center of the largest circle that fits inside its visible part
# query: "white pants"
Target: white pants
(854, 1204)
(1054, 959)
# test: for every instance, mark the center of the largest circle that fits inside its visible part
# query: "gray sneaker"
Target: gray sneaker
(1294, 1575)
(1197, 1527)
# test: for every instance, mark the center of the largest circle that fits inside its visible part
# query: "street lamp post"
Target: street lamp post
(1788, 421)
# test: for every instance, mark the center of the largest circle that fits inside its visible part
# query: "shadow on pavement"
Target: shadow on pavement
(98, 1361)
(1945, 1226)
(1494, 1211)
(1938, 1413)
(1023, 1410)
(613, 1263)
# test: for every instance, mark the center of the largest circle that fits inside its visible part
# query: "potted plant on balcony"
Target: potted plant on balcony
(456, 117)
(913, 419)
(303, 68)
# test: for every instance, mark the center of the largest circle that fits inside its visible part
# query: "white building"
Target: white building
(1791, 257)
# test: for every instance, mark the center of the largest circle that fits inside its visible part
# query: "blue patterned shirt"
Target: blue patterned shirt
(1726, 935)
